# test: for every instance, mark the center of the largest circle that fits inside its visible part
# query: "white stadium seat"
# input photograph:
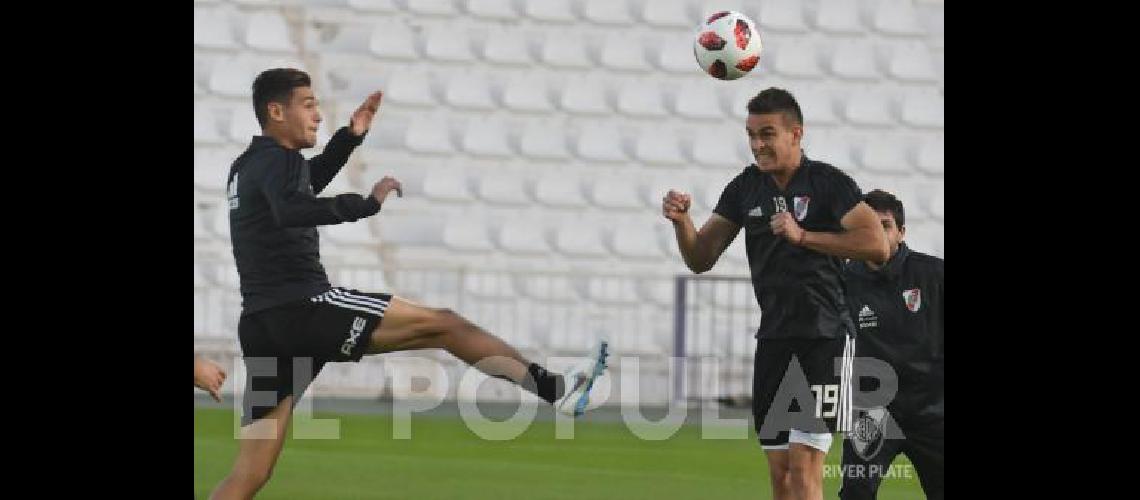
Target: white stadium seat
(838, 16)
(854, 61)
(508, 47)
(562, 50)
(213, 28)
(393, 41)
(623, 53)
(600, 143)
(267, 30)
(781, 16)
(615, 192)
(447, 45)
(487, 138)
(560, 191)
(897, 17)
(500, 10)
(607, 12)
(585, 95)
(641, 99)
(912, 63)
(666, 14)
(432, 7)
(924, 110)
(557, 11)
(502, 189)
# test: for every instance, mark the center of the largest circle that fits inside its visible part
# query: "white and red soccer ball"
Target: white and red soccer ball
(727, 45)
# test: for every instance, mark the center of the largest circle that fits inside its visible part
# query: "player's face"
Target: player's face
(302, 117)
(895, 234)
(774, 141)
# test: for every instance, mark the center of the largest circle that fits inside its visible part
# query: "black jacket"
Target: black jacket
(898, 311)
(274, 212)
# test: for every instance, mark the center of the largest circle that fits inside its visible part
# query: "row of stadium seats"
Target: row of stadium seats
(856, 58)
(643, 239)
(526, 98)
(897, 18)
(475, 238)
(839, 60)
(552, 311)
(425, 141)
(557, 190)
(525, 324)
(540, 286)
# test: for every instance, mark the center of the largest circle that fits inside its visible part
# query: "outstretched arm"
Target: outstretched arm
(324, 167)
(699, 249)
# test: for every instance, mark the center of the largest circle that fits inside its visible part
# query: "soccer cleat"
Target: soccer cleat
(579, 380)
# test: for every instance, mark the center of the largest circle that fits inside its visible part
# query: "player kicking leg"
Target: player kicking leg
(328, 328)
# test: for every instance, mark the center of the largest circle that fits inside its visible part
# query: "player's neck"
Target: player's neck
(783, 176)
(280, 138)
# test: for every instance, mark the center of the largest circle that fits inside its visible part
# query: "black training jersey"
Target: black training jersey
(274, 212)
(800, 291)
(900, 315)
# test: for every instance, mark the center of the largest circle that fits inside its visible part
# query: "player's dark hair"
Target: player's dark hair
(774, 100)
(276, 85)
(882, 201)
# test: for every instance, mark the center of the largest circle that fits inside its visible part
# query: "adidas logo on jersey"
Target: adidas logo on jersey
(867, 317)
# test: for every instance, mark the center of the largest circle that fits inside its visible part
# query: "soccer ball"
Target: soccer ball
(727, 45)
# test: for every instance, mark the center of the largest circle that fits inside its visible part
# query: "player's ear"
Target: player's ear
(276, 111)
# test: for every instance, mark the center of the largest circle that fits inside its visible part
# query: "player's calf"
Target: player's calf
(242, 483)
(408, 325)
(257, 454)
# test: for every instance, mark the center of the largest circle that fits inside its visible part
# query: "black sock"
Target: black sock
(546, 385)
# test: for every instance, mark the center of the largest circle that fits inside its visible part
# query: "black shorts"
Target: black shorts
(821, 390)
(285, 347)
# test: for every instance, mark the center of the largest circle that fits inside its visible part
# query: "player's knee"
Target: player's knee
(440, 322)
(779, 472)
(802, 473)
(450, 321)
(781, 482)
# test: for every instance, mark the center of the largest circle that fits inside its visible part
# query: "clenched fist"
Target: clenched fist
(784, 224)
(675, 205)
(386, 185)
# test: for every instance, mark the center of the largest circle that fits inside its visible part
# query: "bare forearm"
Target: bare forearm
(695, 258)
(859, 244)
